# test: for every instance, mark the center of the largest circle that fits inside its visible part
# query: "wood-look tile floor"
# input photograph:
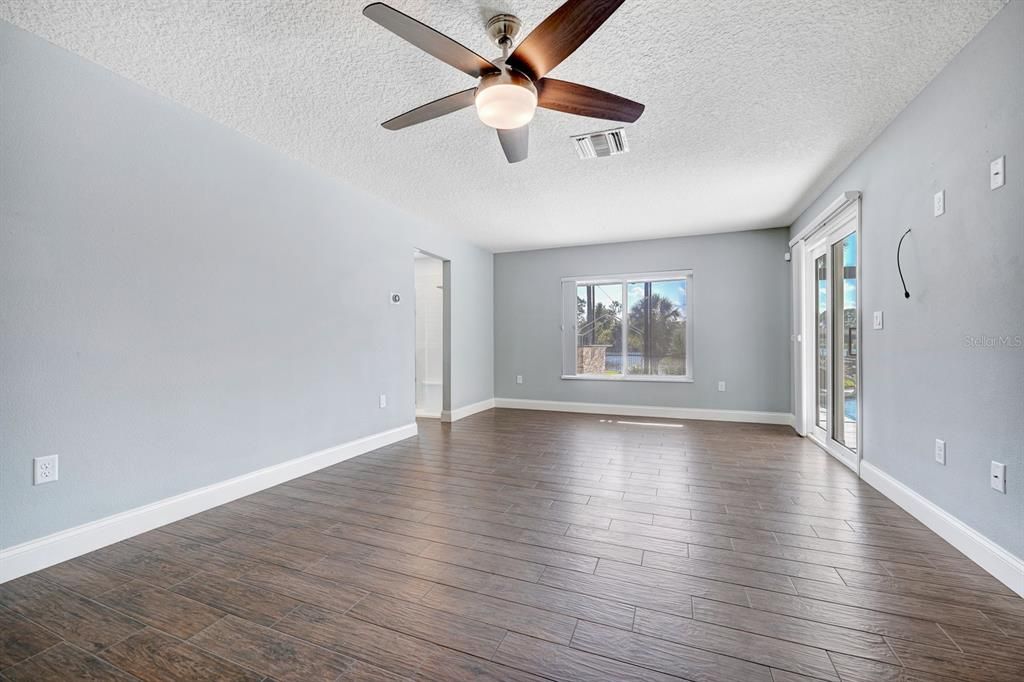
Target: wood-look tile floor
(521, 545)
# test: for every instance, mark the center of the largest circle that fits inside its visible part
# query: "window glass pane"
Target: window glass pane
(657, 328)
(599, 328)
(821, 343)
(845, 302)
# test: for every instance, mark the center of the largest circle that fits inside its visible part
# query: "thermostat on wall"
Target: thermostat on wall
(396, 298)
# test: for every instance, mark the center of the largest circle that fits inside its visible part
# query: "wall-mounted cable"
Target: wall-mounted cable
(906, 294)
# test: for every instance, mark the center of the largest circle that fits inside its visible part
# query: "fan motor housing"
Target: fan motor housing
(507, 76)
(503, 27)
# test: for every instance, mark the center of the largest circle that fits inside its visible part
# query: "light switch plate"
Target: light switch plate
(997, 173)
(721, 386)
(519, 378)
(940, 203)
(383, 401)
(940, 451)
(876, 320)
(998, 480)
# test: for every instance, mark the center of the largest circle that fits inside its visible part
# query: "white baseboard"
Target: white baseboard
(648, 411)
(1004, 566)
(66, 544)
(463, 412)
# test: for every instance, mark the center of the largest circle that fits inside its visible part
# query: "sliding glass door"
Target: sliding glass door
(833, 384)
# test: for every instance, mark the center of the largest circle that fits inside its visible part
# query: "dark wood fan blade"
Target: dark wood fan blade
(560, 34)
(430, 41)
(515, 143)
(582, 100)
(430, 110)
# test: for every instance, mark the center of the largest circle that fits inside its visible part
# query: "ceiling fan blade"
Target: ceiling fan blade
(515, 143)
(560, 34)
(427, 39)
(582, 100)
(431, 110)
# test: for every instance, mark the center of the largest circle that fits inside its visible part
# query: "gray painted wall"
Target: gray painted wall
(180, 304)
(739, 310)
(965, 272)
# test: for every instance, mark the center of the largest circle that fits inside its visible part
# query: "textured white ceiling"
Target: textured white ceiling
(753, 107)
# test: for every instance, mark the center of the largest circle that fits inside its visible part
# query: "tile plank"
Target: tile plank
(789, 628)
(304, 587)
(766, 651)
(388, 649)
(240, 599)
(155, 657)
(173, 613)
(80, 621)
(64, 662)
(666, 655)
(21, 638)
(527, 620)
(566, 664)
(259, 648)
(85, 576)
(434, 625)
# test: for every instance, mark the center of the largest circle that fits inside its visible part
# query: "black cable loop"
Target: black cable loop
(906, 294)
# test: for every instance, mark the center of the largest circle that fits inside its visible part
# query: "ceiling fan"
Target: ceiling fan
(511, 87)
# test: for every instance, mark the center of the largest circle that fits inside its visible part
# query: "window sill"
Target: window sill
(655, 379)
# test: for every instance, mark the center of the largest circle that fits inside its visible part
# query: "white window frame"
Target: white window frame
(570, 329)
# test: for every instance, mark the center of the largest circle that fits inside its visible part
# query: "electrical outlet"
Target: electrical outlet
(997, 173)
(519, 378)
(721, 386)
(877, 319)
(998, 479)
(44, 470)
(383, 400)
(940, 203)
(940, 451)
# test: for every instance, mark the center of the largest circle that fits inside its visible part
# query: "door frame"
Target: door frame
(838, 221)
(821, 247)
(446, 335)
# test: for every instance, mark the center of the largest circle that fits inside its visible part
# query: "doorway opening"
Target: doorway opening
(828, 333)
(432, 356)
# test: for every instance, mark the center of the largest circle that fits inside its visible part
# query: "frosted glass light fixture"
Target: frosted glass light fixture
(506, 100)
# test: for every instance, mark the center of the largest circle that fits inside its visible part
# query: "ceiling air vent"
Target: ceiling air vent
(604, 143)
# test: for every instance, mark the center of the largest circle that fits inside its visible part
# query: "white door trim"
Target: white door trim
(838, 204)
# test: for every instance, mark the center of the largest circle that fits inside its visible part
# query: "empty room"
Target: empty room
(567, 340)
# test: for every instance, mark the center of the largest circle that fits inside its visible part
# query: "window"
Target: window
(628, 327)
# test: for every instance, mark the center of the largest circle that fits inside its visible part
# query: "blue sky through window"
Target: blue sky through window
(850, 261)
(673, 290)
(849, 285)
